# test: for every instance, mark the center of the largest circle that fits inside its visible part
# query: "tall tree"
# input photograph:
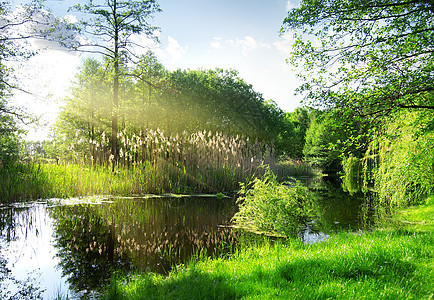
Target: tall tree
(110, 26)
(15, 28)
(150, 77)
(366, 59)
(85, 115)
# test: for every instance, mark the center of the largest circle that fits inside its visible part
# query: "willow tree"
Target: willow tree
(109, 27)
(365, 59)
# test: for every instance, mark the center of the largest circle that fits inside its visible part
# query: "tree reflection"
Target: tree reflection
(17, 223)
(334, 208)
(82, 238)
(94, 241)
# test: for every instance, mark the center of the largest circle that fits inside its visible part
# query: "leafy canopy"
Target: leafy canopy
(111, 23)
(365, 58)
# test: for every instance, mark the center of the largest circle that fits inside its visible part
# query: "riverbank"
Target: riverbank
(394, 262)
(22, 182)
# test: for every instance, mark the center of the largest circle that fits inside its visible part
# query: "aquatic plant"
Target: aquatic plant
(151, 162)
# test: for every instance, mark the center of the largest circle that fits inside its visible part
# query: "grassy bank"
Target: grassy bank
(391, 263)
(30, 181)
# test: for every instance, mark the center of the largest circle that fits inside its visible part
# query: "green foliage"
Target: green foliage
(9, 140)
(160, 114)
(366, 59)
(370, 61)
(318, 149)
(270, 206)
(113, 23)
(108, 32)
(299, 121)
(219, 100)
(403, 170)
(352, 170)
(180, 102)
(10, 50)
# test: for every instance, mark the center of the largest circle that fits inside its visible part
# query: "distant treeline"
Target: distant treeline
(155, 102)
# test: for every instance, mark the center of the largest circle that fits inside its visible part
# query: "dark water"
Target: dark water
(73, 247)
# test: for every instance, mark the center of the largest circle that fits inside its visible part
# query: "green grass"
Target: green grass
(25, 182)
(30, 181)
(391, 263)
(416, 217)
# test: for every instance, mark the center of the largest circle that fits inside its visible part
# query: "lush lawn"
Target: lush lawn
(391, 263)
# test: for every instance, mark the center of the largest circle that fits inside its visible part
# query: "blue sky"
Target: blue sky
(237, 34)
(241, 34)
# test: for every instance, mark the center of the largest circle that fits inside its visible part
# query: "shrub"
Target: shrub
(273, 207)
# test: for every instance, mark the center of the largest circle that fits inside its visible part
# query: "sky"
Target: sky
(229, 34)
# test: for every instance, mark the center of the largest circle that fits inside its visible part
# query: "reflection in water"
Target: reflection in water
(335, 210)
(76, 247)
(27, 263)
(93, 241)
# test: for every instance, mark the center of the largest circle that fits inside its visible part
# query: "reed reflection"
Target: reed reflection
(94, 241)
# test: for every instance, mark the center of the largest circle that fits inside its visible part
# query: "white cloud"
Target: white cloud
(290, 5)
(169, 49)
(174, 50)
(248, 44)
(144, 43)
(264, 45)
(49, 31)
(217, 43)
(284, 43)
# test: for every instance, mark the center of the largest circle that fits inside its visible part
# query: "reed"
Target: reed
(203, 162)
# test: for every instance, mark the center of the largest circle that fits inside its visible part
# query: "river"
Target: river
(72, 247)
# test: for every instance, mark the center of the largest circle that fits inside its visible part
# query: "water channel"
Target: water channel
(72, 247)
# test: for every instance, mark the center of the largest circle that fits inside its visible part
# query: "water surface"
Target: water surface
(74, 246)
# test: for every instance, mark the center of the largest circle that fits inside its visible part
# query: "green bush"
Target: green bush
(273, 207)
(404, 174)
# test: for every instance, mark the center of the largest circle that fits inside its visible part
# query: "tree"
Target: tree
(300, 119)
(367, 59)
(11, 49)
(150, 76)
(86, 115)
(217, 100)
(110, 27)
(317, 149)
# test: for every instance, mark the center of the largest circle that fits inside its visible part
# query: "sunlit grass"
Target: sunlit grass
(24, 182)
(203, 162)
(384, 264)
(419, 218)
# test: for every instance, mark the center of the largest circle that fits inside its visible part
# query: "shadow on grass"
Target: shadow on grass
(189, 284)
